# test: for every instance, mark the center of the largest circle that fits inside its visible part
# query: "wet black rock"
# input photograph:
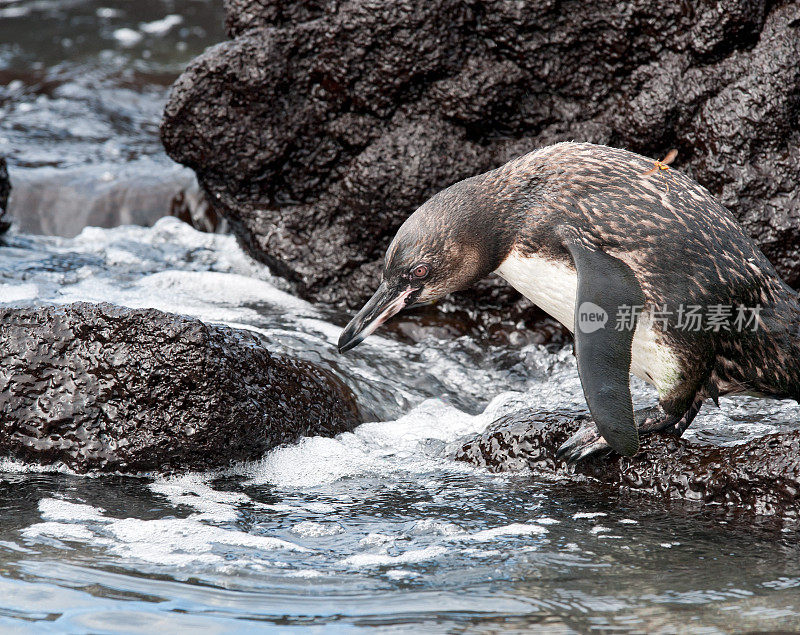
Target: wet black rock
(323, 124)
(5, 189)
(515, 327)
(759, 477)
(101, 387)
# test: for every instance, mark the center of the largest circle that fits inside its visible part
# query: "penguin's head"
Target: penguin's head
(447, 245)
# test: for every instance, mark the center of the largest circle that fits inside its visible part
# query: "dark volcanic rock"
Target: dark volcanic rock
(323, 124)
(5, 189)
(100, 387)
(758, 477)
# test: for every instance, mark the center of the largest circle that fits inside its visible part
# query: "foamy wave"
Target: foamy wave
(373, 448)
(379, 559)
(18, 292)
(167, 541)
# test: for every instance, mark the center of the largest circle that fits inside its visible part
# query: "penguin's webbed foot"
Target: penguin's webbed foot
(584, 443)
(587, 441)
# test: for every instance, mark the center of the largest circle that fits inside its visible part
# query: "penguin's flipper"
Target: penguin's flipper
(606, 287)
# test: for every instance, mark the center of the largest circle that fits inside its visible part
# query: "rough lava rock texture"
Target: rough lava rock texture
(106, 388)
(5, 189)
(759, 477)
(322, 125)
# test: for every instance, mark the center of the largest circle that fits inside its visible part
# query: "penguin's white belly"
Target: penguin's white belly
(550, 285)
(553, 287)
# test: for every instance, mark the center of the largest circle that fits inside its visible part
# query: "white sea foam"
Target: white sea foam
(193, 491)
(219, 288)
(310, 529)
(304, 573)
(514, 529)
(382, 559)
(61, 531)
(127, 37)
(18, 292)
(211, 296)
(162, 26)
(177, 542)
(378, 447)
(107, 13)
(428, 526)
(545, 520)
(14, 12)
(401, 574)
(169, 541)
(60, 510)
(481, 553)
(169, 243)
(145, 538)
(374, 448)
(597, 529)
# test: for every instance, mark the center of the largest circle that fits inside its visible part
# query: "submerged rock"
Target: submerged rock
(322, 125)
(5, 189)
(102, 387)
(761, 476)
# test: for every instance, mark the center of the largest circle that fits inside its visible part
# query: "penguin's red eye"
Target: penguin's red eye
(420, 271)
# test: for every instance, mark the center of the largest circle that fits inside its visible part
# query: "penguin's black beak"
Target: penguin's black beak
(384, 304)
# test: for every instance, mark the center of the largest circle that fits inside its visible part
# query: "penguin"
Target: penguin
(622, 255)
